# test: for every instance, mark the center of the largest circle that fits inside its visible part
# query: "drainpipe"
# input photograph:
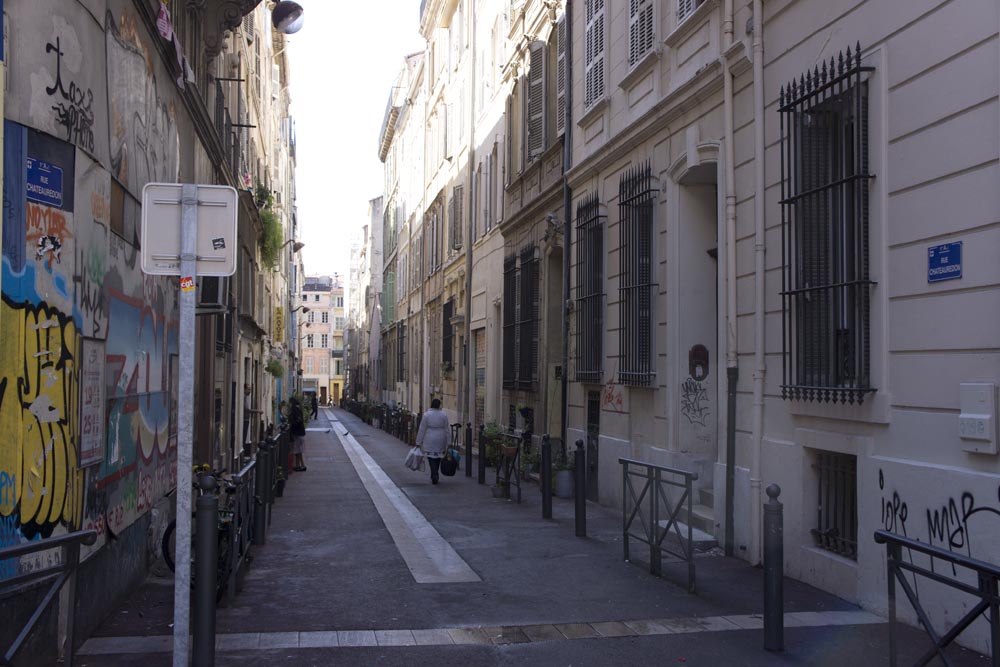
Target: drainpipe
(567, 220)
(758, 316)
(469, 410)
(732, 364)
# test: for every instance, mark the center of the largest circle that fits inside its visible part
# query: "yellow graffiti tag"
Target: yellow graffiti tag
(40, 409)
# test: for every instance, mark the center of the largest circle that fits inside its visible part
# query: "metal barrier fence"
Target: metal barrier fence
(656, 484)
(69, 547)
(986, 590)
(241, 490)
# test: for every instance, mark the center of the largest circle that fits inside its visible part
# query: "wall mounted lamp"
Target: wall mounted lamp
(287, 17)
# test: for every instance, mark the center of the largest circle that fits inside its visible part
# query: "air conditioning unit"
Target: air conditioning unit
(213, 295)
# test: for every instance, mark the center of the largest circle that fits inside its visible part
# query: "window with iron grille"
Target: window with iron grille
(447, 356)
(434, 326)
(636, 199)
(401, 353)
(594, 54)
(836, 528)
(456, 217)
(826, 285)
(510, 321)
(590, 289)
(640, 31)
(520, 318)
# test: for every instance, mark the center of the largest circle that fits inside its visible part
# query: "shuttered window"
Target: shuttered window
(640, 32)
(561, 76)
(594, 54)
(826, 284)
(456, 217)
(590, 223)
(447, 356)
(534, 103)
(637, 197)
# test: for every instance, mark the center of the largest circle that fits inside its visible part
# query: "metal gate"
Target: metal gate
(593, 438)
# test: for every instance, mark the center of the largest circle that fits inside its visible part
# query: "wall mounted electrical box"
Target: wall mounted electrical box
(977, 422)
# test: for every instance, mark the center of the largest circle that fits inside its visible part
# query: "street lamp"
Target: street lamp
(287, 17)
(299, 245)
(304, 309)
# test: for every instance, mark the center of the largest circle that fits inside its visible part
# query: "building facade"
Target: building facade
(101, 99)
(732, 210)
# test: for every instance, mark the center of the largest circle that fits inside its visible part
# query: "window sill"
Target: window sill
(691, 23)
(641, 69)
(593, 112)
(874, 410)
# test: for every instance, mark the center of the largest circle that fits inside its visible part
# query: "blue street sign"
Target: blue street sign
(944, 262)
(45, 183)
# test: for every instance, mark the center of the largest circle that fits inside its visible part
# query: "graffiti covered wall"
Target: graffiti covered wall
(90, 343)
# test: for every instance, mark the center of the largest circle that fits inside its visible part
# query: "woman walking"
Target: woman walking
(432, 437)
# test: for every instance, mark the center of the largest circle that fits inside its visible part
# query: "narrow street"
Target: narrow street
(367, 563)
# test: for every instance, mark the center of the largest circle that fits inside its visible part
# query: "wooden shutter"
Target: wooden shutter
(640, 35)
(561, 76)
(594, 53)
(458, 196)
(535, 102)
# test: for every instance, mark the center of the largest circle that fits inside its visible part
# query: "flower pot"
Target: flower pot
(564, 484)
(499, 491)
(279, 488)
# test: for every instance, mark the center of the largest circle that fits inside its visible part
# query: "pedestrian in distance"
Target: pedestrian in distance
(297, 427)
(432, 437)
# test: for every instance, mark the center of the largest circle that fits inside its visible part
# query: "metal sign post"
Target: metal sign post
(160, 238)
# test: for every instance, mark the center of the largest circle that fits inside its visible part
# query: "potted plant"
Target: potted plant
(274, 367)
(562, 473)
(492, 438)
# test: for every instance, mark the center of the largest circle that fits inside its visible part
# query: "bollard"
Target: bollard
(774, 575)
(206, 555)
(580, 489)
(468, 449)
(546, 477)
(260, 497)
(482, 457)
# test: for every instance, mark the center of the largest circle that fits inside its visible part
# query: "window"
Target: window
(447, 356)
(590, 289)
(389, 299)
(534, 103)
(401, 354)
(594, 54)
(340, 302)
(309, 340)
(324, 317)
(316, 297)
(561, 75)
(836, 503)
(636, 196)
(455, 217)
(640, 32)
(338, 323)
(685, 8)
(324, 365)
(826, 284)
(309, 365)
(324, 341)
(338, 368)
(520, 318)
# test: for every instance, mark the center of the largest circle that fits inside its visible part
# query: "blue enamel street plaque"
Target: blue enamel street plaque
(45, 183)
(944, 262)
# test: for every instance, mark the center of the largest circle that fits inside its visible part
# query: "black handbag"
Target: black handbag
(449, 465)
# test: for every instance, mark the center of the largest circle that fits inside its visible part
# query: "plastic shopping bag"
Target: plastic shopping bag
(414, 459)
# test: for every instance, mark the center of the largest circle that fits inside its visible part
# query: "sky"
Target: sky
(343, 64)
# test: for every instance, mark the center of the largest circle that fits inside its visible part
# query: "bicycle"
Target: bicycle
(168, 544)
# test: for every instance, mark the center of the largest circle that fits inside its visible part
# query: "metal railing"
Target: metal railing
(508, 455)
(986, 590)
(241, 526)
(69, 546)
(656, 484)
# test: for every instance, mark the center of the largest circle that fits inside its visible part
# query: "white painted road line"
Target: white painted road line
(429, 557)
(479, 635)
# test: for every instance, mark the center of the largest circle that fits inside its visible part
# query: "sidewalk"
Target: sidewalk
(337, 583)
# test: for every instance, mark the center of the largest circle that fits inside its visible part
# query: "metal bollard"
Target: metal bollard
(468, 449)
(580, 488)
(546, 477)
(774, 575)
(205, 562)
(482, 457)
(260, 497)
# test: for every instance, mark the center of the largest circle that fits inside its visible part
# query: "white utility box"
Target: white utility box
(977, 423)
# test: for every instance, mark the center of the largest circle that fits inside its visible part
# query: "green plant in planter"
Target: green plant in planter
(275, 368)
(492, 437)
(270, 242)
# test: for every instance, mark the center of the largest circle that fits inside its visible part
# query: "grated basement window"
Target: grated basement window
(590, 286)
(636, 196)
(837, 504)
(825, 282)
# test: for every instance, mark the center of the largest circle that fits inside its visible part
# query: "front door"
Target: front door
(593, 440)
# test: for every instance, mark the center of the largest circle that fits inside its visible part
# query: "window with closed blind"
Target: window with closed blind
(826, 286)
(593, 53)
(640, 31)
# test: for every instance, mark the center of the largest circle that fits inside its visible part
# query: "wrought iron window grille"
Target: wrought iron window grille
(590, 223)
(520, 318)
(837, 504)
(637, 192)
(826, 287)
